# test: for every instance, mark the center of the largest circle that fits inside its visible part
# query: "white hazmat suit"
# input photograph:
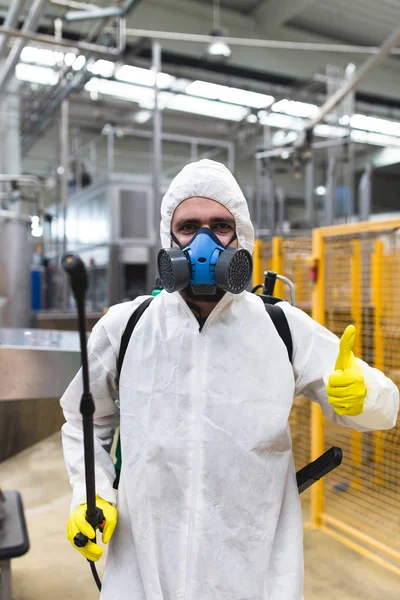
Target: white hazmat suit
(208, 507)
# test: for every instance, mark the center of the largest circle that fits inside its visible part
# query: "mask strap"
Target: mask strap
(233, 238)
(174, 239)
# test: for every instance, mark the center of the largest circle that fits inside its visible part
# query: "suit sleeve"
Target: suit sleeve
(315, 350)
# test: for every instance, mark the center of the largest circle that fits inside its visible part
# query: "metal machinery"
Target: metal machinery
(110, 225)
(337, 108)
(15, 264)
(48, 360)
(338, 160)
(113, 223)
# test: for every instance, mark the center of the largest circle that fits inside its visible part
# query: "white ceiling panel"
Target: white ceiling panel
(358, 21)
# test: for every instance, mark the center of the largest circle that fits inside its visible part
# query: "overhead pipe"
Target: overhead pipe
(27, 179)
(173, 137)
(277, 152)
(62, 90)
(11, 20)
(61, 43)
(37, 9)
(75, 4)
(103, 13)
(52, 102)
(256, 43)
(156, 164)
(365, 193)
(369, 65)
(63, 182)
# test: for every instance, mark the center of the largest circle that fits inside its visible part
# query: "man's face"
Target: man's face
(194, 213)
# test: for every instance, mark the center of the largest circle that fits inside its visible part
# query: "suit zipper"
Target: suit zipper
(198, 395)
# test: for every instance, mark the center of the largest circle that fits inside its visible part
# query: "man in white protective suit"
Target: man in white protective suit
(208, 506)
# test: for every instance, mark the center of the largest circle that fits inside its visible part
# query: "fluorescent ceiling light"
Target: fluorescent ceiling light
(180, 84)
(296, 109)
(105, 68)
(391, 128)
(214, 91)
(282, 138)
(376, 139)
(134, 93)
(163, 99)
(320, 190)
(344, 120)
(79, 63)
(330, 131)
(143, 76)
(41, 56)
(218, 47)
(142, 116)
(69, 59)
(145, 98)
(208, 108)
(35, 74)
(126, 91)
(280, 121)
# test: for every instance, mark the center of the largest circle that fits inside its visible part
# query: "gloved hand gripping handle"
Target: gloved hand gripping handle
(75, 268)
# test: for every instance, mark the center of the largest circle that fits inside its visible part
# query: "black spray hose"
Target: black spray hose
(255, 289)
(75, 268)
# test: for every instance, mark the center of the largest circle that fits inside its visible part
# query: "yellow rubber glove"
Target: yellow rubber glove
(346, 387)
(77, 524)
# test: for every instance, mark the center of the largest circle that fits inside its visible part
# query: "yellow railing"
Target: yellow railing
(358, 503)
(290, 256)
(358, 281)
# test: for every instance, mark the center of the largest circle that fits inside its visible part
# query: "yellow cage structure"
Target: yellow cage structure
(357, 268)
(357, 282)
(291, 256)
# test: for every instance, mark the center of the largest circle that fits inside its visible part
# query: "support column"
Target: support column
(280, 194)
(10, 141)
(365, 194)
(309, 185)
(156, 172)
(63, 182)
(3, 146)
(330, 192)
(270, 185)
(5, 580)
(14, 135)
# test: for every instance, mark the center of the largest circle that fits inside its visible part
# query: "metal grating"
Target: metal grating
(362, 287)
(357, 22)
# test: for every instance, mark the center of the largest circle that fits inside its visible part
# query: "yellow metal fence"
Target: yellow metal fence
(358, 282)
(359, 502)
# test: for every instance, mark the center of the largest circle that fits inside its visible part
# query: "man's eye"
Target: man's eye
(188, 227)
(223, 226)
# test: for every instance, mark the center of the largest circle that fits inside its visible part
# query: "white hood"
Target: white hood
(207, 179)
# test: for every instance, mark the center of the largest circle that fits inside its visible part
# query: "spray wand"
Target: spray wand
(76, 270)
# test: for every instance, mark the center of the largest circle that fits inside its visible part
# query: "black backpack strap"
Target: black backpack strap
(126, 336)
(281, 325)
(129, 330)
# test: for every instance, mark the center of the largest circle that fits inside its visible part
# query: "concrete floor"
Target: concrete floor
(53, 569)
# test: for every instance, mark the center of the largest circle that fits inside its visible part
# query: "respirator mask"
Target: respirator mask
(205, 265)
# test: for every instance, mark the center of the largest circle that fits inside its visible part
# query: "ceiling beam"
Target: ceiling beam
(275, 13)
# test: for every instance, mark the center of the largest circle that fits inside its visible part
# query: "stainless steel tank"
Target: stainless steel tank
(16, 247)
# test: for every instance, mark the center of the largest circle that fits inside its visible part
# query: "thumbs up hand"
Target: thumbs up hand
(346, 387)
